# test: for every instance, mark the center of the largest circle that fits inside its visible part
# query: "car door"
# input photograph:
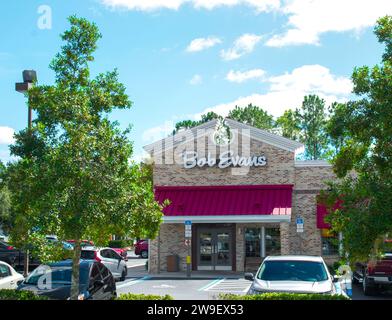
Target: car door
(109, 262)
(95, 288)
(7, 280)
(117, 259)
(109, 285)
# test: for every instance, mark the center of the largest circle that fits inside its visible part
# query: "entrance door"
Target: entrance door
(214, 249)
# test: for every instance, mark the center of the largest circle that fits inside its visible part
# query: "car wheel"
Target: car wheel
(124, 274)
(368, 290)
(144, 254)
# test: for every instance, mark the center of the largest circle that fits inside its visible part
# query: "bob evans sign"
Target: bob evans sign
(226, 159)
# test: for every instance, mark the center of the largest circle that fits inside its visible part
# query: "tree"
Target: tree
(363, 127)
(5, 200)
(312, 121)
(187, 124)
(79, 179)
(253, 116)
(289, 126)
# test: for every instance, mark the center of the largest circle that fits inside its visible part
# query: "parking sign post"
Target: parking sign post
(188, 238)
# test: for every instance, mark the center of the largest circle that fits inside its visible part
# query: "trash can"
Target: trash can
(173, 263)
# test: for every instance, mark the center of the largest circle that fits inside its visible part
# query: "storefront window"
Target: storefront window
(252, 242)
(272, 241)
(330, 243)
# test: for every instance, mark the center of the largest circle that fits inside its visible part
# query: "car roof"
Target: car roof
(4, 263)
(295, 258)
(68, 263)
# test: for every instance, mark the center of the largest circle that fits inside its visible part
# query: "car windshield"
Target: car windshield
(56, 275)
(292, 271)
(87, 254)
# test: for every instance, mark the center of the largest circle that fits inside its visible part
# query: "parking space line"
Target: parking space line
(212, 283)
(133, 282)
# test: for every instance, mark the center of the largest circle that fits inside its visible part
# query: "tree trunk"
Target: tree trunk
(26, 263)
(75, 270)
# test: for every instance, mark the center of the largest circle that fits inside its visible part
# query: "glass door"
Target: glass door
(222, 251)
(205, 252)
(214, 249)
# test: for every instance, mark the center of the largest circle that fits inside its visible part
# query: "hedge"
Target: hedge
(120, 243)
(6, 294)
(131, 296)
(282, 296)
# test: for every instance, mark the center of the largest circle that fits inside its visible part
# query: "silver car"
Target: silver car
(292, 274)
(109, 258)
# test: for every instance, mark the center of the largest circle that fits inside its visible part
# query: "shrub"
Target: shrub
(282, 296)
(6, 294)
(120, 243)
(131, 296)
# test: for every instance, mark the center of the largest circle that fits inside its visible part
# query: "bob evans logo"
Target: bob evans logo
(225, 160)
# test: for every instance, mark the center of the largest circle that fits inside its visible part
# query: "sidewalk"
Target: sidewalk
(139, 271)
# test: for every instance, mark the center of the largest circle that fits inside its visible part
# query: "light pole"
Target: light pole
(29, 78)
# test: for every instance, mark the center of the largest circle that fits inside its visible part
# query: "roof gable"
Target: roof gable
(171, 142)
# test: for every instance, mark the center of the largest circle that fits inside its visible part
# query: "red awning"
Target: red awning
(226, 200)
(322, 212)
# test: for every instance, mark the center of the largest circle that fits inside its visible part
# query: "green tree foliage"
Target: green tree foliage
(77, 182)
(364, 131)
(289, 126)
(5, 201)
(312, 121)
(187, 124)
(253, 116)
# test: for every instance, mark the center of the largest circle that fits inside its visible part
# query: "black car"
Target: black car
(8, 253)
(54, 281)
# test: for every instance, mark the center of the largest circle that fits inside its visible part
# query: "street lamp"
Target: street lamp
(29, 78)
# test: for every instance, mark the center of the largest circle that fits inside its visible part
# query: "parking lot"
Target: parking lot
(140, 282)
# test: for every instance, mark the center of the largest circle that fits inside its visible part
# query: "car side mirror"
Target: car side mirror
(249, 276)
(335, 278)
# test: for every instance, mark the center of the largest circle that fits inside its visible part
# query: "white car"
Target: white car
(292, 274)
(9, 278)
(109, 258)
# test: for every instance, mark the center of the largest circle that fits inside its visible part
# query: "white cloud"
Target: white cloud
(196, 79)
(312, 79)
(201, 44)
(6, 135)
(243, 45)
(150, 5)
(288, 90)
(158, 132)
(308, 19)
(239, 77)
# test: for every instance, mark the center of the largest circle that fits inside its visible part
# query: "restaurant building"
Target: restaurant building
(244, 194)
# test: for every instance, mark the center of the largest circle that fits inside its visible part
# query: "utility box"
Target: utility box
(173, 262)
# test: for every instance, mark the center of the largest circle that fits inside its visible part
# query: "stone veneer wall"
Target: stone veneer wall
(309, 181)
(279, 170)
(172, 241)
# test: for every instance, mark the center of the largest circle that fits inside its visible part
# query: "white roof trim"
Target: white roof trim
(255, 133)
(228, 219)
(311, 163)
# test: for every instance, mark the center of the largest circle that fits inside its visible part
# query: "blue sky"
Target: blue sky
(180, 58)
